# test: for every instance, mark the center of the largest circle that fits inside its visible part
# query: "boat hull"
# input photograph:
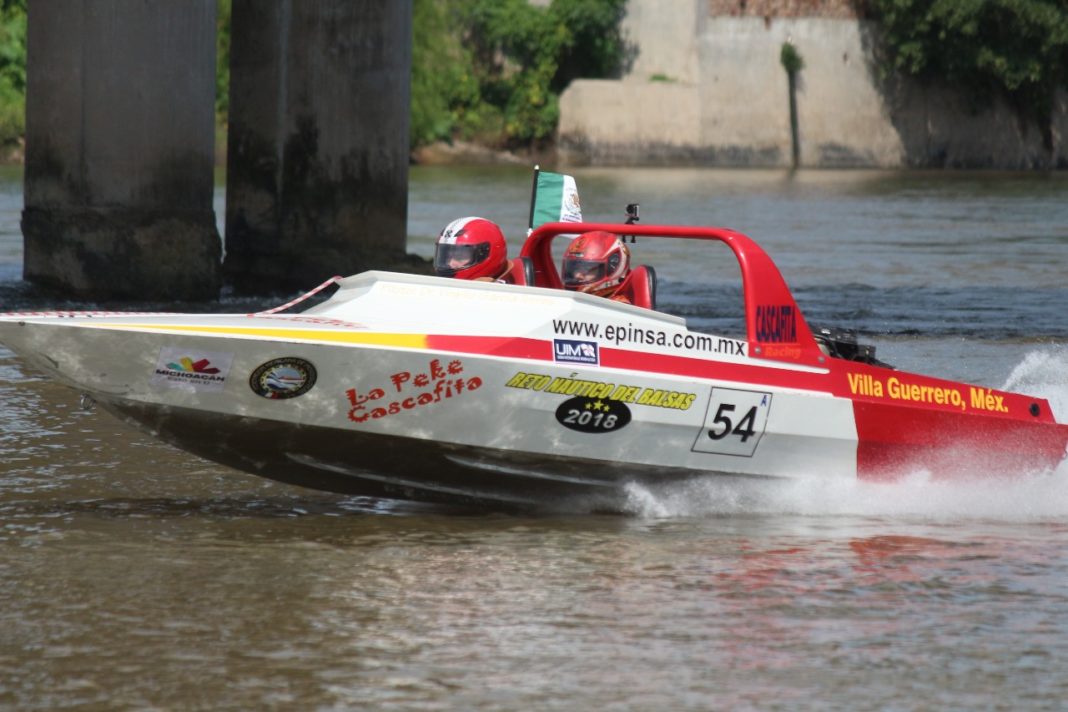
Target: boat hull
(396, 467)
(437, 390)
(425, 424)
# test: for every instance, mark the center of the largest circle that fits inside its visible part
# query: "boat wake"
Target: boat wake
(1045, 374)
(1040, 496)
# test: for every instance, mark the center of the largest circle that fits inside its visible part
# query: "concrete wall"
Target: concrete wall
(666, 39)
(119, 148)
(709, 89)
(745, 100)
(317, 178)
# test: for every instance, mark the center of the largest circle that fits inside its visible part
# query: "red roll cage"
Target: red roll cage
(775, 327)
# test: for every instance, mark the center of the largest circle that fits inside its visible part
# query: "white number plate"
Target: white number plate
(734, 422)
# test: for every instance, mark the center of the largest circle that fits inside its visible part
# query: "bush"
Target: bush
(12, 71)
(493, 70)
(790, 58)
(1017, 48)
(445, 94)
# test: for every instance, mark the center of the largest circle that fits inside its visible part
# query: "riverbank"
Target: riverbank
(13, 154)
(454, 153)
(708, 88)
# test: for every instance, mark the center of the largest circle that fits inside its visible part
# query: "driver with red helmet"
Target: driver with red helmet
(472, 248)
(596, 263)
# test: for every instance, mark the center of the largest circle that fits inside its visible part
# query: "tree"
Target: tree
(12, 71)
(1016, 48)
(493, 69)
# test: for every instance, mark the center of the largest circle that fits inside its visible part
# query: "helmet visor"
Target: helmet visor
(450, 259)
(580, 272)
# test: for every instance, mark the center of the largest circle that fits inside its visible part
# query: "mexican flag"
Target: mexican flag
(555, 199)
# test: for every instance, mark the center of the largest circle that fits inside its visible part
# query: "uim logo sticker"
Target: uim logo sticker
(570, 351)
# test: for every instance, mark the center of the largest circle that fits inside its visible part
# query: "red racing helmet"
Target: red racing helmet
(469, 248)
(594, 262)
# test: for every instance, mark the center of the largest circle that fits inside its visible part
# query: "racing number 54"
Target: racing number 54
(743, 429)
(734, 422)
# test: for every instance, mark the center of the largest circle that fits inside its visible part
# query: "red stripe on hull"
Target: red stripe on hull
(506, 347)
(655, 364)
(638, 361)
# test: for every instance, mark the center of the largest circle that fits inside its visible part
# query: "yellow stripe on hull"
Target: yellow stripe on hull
(410, 341)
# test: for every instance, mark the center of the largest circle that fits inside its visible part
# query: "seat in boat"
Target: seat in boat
(520, 272)
(639, 287)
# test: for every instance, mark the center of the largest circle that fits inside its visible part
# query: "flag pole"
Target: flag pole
(533, 199)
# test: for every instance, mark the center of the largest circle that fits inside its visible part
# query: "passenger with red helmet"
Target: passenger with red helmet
(596, 263)
(472, 248)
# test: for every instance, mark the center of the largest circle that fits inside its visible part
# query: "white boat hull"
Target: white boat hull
(432, 389)
(432, 425)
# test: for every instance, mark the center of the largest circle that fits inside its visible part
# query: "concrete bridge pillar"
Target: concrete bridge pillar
(317, 171)
(119, 148)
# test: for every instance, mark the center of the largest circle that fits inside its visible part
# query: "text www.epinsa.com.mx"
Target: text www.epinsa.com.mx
(631, 334)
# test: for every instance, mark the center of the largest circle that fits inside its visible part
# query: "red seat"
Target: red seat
(639, 287)
(521, 271)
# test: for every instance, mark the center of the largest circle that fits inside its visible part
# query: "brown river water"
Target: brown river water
(135, 576)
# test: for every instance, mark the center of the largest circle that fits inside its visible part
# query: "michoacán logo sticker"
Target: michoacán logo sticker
(191, 370)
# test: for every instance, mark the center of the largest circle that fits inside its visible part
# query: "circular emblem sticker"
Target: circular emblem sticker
(588, 415)
(287, 377)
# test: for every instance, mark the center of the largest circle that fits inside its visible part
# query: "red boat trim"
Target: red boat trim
(504, 347)
(653, 364)
(858, 382)
(895, 440)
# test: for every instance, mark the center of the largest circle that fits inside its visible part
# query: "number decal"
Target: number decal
(744, 428)
(723, 420)
(734, 422)
(593, 415)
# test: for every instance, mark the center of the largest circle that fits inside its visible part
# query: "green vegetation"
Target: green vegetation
(222, 62)
(790, 58)
(792, 62)
(492, 70)
(484, 70)
(12, 72)
(1018, 48)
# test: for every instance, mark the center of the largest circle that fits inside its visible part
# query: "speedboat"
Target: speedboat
(442, 390)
